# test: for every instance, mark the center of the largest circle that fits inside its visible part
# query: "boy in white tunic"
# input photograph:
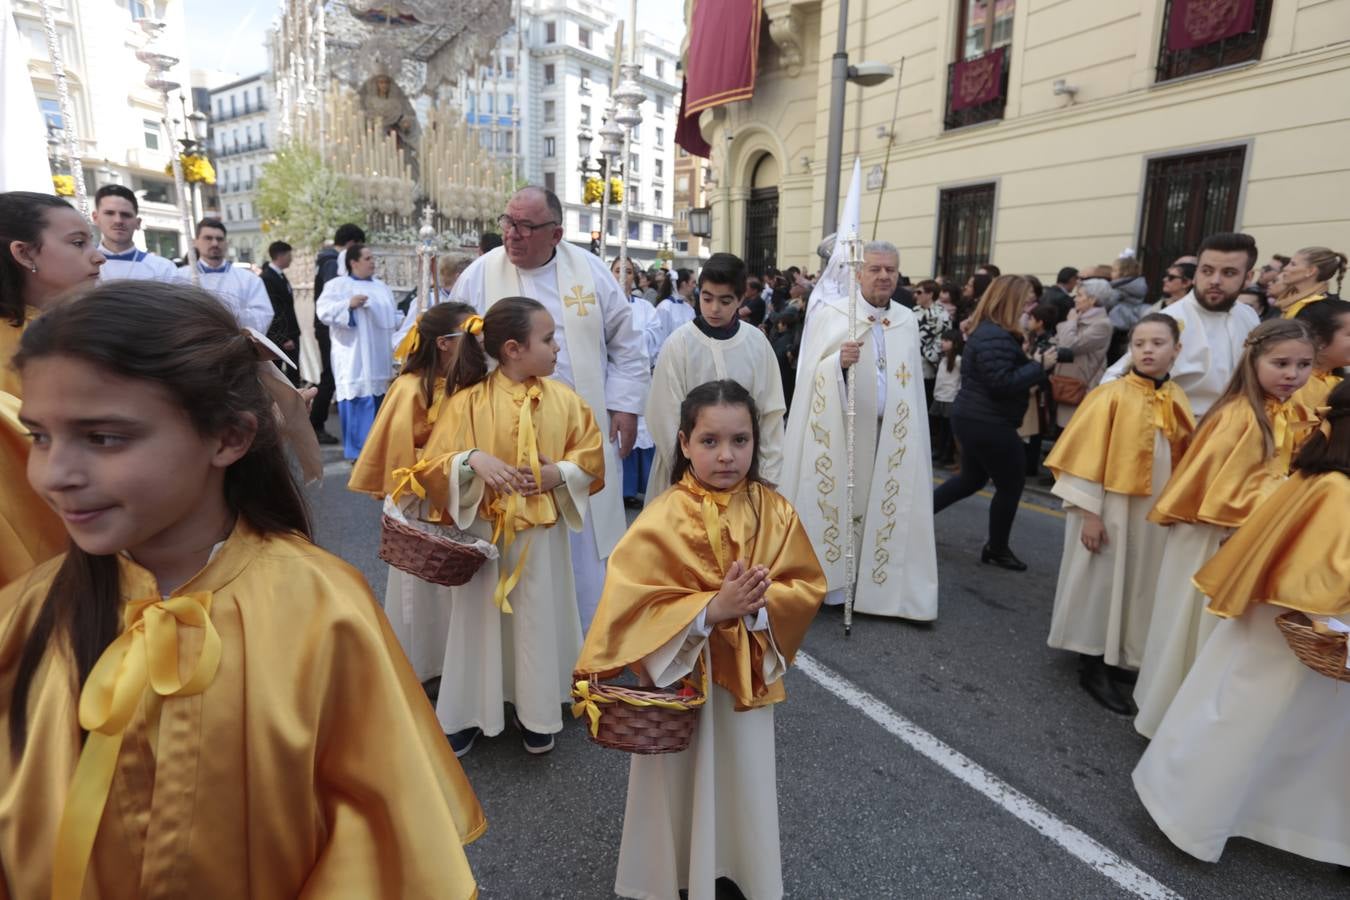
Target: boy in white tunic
(1115, 456)
(117, 214)
(242, 292)
(717, 574)
(715, 346)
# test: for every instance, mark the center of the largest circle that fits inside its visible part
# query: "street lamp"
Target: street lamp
(611, 145)
(864, 74)
(700, 222)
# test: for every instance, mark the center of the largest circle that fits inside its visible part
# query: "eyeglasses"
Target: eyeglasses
(524, 229)
(1170, 277)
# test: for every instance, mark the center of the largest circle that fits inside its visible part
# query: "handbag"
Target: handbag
(1067, 389)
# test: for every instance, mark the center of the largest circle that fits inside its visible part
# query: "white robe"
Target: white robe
(647, 324)
(1104, 600)
(362, 345)
(145, 267)
(691, 358)
(711, 810)
(673, 312)
(1211, 346)
(524, 658)
(616, 363)
(1179, 625)
(1253, 746)
(896, 550)
(242, 292)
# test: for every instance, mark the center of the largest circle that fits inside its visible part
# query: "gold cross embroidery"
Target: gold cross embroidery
(902, 374)
(579, 300)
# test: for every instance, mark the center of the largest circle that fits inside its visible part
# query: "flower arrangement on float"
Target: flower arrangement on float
(64, 185)
(197, 169)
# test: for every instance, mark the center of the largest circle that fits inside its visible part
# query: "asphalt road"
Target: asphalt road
(862, 814)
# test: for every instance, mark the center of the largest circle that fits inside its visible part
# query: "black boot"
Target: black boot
(1004, 559)
(1095, 678)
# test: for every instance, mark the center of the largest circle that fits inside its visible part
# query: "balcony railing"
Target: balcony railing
(235, 150)
(990, 110)
(248, 110)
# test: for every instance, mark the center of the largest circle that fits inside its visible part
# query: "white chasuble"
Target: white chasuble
(600, 356)
(896, 551)
(690, 358)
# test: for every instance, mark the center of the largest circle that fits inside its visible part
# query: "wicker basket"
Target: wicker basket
(430, 557)
(1323, 653)
(640, 720)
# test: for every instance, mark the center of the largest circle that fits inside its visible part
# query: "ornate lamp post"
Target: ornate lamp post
(629, 96)
(156, 78)
(611, 137)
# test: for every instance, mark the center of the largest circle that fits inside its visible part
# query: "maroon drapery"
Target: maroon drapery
(721, 63)
(977, 81)
(1195, 23)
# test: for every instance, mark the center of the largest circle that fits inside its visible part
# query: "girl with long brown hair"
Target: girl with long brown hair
(195, 694)
(996, 376)
(1240, 454)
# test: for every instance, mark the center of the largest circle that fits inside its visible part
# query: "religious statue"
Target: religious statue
(385, 103)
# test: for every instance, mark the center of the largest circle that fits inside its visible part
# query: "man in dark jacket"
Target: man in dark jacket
(326, 268)
(285, 328)
(1061, 292)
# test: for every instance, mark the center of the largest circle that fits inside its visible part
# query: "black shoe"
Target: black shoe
(1096, 680)
(1004, 559)
(726, 889)
(1123, 676)
(325, 438)
(462, 741)
(535, 743)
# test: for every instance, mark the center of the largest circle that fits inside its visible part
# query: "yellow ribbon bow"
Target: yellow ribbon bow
(712, 524)
(472, 325)
(146, 653)
(587, 704)
(1324, 421)
(527, 452)
(1282, 428)
(410, 343)
(406, 477)
(1165, 414)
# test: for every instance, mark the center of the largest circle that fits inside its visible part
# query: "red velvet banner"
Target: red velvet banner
(721, 63)
(977, 81)
(1195, 23)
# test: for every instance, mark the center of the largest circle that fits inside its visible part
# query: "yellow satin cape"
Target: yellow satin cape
(1294, 552)
(30, 532)
(400, 431)
(1319, 387)
(666, 569)
(487, 417)
(1109, 440)
(271, 741)
(9, 345)
(1293, 309)
(1226, 472)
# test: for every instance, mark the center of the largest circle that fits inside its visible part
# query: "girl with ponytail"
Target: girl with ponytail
(194, 653)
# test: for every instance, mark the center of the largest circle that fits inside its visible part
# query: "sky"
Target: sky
(236, 45)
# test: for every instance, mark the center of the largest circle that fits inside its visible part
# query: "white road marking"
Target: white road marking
(1098, 856)
(339, 467)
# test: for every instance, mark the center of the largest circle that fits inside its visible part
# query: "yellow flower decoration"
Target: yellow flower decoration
(64, 185)
(594, 191)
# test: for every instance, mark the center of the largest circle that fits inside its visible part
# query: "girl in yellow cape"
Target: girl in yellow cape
(46, 252)
(716, 573)
(1330, 323)
(1241, 452)
(1254, 744)
(513, 455)
(418, 611)
(195, 698)
(1114, 457)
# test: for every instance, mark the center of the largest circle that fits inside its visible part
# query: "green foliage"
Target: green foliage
(301, 200)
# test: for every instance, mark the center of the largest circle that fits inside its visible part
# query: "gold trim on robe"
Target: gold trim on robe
(311, 764)
(1293, 552)
(1109, 441)
(30, 531)
(1295, 307)
(401, 429)
(666, 569)
(1226, 472)
(486, 417)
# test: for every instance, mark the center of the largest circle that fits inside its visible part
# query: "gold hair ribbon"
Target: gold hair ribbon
(527, 453)
(146, 653)
(411, 342)
(1324, 421)
(472, 325)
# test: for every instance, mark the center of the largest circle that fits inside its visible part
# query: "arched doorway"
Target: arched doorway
(761, 216)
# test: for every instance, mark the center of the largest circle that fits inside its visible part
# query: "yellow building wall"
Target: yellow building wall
(1069, 172)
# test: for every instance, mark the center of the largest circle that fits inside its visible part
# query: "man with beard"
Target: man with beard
(1214, 325)
(239, 289)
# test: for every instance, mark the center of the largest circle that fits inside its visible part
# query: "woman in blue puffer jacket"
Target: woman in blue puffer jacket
(996, 376)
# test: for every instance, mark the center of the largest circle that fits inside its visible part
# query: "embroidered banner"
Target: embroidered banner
(720, 64)
(978, 81)
(1195, 23)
